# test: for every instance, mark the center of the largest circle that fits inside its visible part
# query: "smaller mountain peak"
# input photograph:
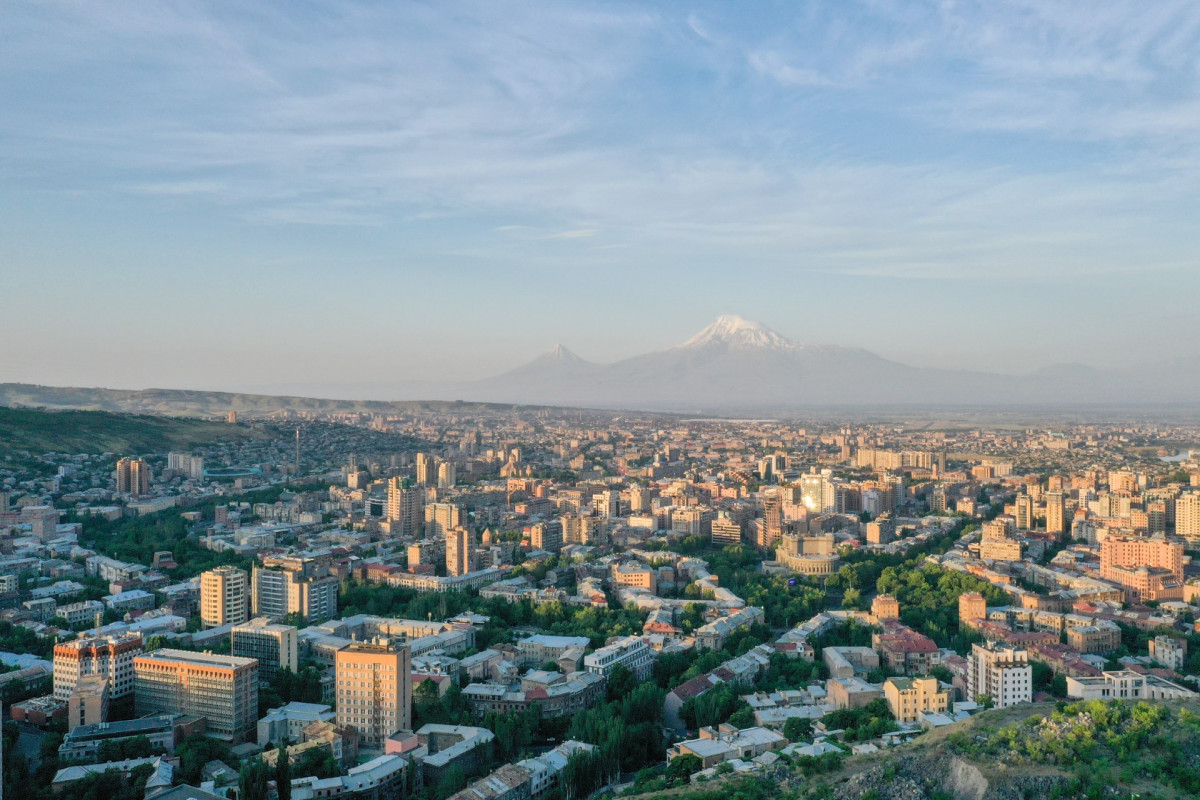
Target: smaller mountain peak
(562, 354)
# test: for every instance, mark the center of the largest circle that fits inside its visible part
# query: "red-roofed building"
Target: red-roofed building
(904, 650)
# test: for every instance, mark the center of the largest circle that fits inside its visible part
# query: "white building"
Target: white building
(1001, 673)
(629, 651)
(1166, 650)
(1125, 685)
(110, 657)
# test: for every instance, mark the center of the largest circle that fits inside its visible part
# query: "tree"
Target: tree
(621, 681)
(196, 751)
(283, 773)
(316, 763)
(455, 780)
(797, 729)
(683, 767)
(252, 780)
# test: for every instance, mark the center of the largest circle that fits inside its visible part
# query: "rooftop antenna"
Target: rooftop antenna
(297, 452)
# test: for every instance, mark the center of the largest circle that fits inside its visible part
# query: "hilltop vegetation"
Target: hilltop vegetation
(41, 431)
(1089, 749)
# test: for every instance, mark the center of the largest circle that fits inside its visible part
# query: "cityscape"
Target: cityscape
(566, 401)
(551, 602)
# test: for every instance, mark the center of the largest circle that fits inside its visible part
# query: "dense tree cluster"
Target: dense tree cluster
(928, 599)
(598, 624)
(861, 724)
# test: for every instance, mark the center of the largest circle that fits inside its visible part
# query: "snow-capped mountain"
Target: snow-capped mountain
(735, 363)
(732, 362)
(732, 331)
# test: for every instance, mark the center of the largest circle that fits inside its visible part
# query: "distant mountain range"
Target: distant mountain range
(732, 365)
(738, 364)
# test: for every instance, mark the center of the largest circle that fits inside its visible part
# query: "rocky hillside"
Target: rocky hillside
(1076, 750)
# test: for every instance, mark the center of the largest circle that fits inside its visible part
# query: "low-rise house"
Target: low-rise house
(727, 742)
(908, 698)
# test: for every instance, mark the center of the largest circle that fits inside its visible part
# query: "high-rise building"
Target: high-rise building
(188, 465)
(772, 527)
(817, 491)
(374, 690)
(1024, 512)
(1056, 510)
(221, 689)
(579, 529)
(109, 657)
(426, 470)
(447, 475)
(1149, 568)
(1001, 673)
(1187, 516)
(546, 536)
(640, 498)
(133, 476)
(224, 597)
(608, 503)
(460, 551)
(406, 506)
(726, 531)
(295, 584)
(1122, 481)
(441, 517)
(972, 608)
(274, 646)
(43, 522)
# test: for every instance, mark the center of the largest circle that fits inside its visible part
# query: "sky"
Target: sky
(262, 195)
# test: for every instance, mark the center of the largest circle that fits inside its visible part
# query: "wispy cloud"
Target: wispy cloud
(841, 137)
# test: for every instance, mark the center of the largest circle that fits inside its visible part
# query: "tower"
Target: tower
(224, 597)
(460, 551)
(426, 471)
(374, 690)
(406, 506)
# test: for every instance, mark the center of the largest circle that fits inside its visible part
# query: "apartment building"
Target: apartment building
(295, 584)
(1001, 673)
(908, 698)
(274, 646)
(224, 597)
(110, 657)
(222, 689)
(374, 690)
(629, 651)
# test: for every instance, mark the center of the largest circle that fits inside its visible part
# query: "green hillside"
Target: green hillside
(1093, 749)
(192, 403)
(41, 431)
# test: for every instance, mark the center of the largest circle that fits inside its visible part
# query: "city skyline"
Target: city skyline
(228, 199)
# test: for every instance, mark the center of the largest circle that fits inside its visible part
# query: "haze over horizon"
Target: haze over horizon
(335, 195)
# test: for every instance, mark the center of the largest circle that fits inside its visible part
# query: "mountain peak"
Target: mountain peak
(560, 353)
(732, 330)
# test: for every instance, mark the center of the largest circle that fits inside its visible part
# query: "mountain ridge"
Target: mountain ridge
(737, 363)
(730, 365)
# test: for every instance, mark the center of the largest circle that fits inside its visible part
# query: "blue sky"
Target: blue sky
(261, 195)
